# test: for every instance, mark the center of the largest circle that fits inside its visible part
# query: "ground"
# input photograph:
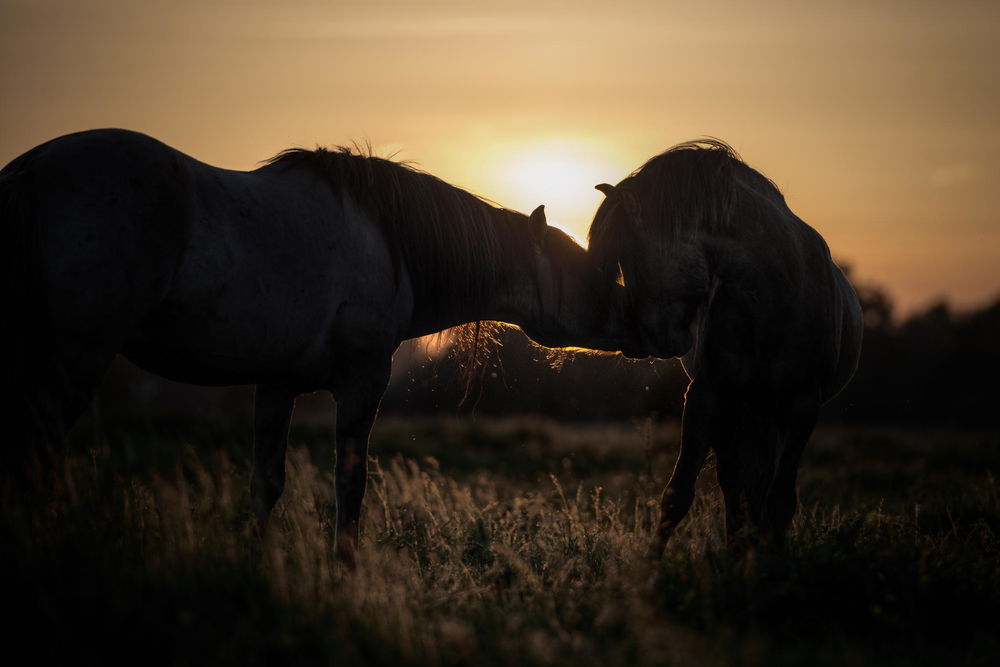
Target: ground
(513, 541)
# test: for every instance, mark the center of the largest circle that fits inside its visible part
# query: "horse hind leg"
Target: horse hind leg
(273, 409)
(720, 420)
(757, 472)
(358, 395)
(744, 468)
(782, 501)
(733, 481)
(52, 391)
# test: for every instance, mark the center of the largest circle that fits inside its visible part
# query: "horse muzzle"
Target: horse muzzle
(656, 344)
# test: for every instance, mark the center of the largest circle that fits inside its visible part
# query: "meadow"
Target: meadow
(498, 541)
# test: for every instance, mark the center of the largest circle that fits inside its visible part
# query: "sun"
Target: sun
(560, 174)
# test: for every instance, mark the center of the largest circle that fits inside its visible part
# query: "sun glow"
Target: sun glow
(559, 174)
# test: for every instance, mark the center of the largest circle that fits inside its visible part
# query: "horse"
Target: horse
(304, 274)
(720, 273)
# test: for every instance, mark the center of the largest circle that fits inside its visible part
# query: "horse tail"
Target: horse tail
(26, 334)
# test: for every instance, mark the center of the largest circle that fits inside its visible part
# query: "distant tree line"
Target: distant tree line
(937, 366)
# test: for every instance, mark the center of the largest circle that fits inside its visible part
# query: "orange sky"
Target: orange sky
(879, 120)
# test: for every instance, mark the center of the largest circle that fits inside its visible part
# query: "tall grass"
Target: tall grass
(517, 543)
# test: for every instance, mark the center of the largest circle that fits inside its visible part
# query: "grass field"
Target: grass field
(500, 542)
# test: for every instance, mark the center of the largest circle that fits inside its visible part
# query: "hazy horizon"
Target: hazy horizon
(877, 121)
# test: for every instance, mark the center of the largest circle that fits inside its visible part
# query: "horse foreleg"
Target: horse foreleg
(782, 501)
(695, 441)
(272, 416)
(729, 471)
(757, 467)
(357, 407)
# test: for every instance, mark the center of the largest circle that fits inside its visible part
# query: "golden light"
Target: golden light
(560, 174)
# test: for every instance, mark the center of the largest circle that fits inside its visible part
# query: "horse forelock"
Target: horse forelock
(608, 235)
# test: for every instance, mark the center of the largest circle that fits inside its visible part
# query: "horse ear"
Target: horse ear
(606, 188)
(538, 223)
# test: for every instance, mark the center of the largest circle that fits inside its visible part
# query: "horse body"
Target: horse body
(261, 295)
(720, 272)
(204, 275)
(773, 318)
(304, 274)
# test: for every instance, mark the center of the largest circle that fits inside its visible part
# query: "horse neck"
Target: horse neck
(519, 296)
(488, 284)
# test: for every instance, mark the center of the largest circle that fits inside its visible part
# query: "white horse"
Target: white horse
(304, 274)
(719, 272)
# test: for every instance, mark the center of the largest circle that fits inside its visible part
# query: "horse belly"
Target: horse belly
(211, 367)
(233, 339)
(239, 327)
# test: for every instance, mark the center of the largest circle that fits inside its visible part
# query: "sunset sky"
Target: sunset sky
(879, 120)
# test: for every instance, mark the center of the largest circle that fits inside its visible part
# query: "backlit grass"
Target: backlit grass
(507, 542)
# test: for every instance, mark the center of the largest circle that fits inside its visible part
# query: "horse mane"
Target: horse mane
(696, 187)
(450, 242)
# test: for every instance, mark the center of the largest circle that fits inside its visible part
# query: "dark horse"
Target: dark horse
(304, 274)
(719, 272)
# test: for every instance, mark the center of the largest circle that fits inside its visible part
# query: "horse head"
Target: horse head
(576, 304)
(665, 275)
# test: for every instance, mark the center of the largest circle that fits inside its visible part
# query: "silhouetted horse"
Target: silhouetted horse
(304, 274)
(719, 272)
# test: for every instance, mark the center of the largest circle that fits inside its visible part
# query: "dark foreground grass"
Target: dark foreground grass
(512, 542)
